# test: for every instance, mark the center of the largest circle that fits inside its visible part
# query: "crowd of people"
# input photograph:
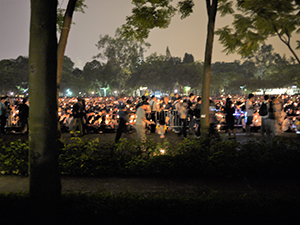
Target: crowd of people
(181, 114)
(14, 114)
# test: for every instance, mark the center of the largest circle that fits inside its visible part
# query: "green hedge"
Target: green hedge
(203, 158)
(14, 157)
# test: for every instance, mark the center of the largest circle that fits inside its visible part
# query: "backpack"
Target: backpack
(263, 109)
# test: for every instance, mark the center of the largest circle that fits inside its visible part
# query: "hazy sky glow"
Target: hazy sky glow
(103, 17)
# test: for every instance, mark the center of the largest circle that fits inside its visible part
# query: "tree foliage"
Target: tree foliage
(257, 21)
(14, 75)
(159, 72)
(265, 69)
(122, 55)
(188, 58)
(146, 15)
(80, 6)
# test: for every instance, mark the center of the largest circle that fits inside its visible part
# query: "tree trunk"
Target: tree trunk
(45, 184)
(63, 40)
(211, 11)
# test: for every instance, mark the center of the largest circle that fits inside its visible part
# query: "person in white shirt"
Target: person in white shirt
(183, 113)
(141, 120)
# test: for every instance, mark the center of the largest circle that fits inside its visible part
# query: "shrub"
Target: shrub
(14, 158)
(197, 158)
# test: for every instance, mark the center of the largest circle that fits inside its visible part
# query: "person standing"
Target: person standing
(141, 120)
(154, 110)
(84, 117)
(250, 112)
(2, 114)
(264, 113)
(198, 116)
(278, 117)
(183, 114)
(122, 118)
(272, 119)
(175, 119)
(78, 112)
(213, 132)
(163, 116)
(229, 117)
(23, 115)
(191, 105)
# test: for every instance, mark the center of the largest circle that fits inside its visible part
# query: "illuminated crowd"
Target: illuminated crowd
(101, 114)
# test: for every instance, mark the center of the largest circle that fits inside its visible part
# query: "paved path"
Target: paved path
(171, 186)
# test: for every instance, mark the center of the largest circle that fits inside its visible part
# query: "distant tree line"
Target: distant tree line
(122, 68)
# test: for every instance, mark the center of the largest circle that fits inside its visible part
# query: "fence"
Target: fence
(169, 117)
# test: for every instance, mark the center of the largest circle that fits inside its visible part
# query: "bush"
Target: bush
(14, 158)
(194, 158)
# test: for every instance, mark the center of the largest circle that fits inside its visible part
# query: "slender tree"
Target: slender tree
(149, 14)
(64, 22)
(67, 21)
(211, 8)
(45, 184)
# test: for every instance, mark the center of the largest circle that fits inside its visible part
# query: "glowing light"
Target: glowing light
(68, 92)
(162, 151)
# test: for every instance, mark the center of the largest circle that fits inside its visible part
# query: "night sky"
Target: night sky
(103, 17)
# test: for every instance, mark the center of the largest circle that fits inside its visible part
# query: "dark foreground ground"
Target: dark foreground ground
(119, 200)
